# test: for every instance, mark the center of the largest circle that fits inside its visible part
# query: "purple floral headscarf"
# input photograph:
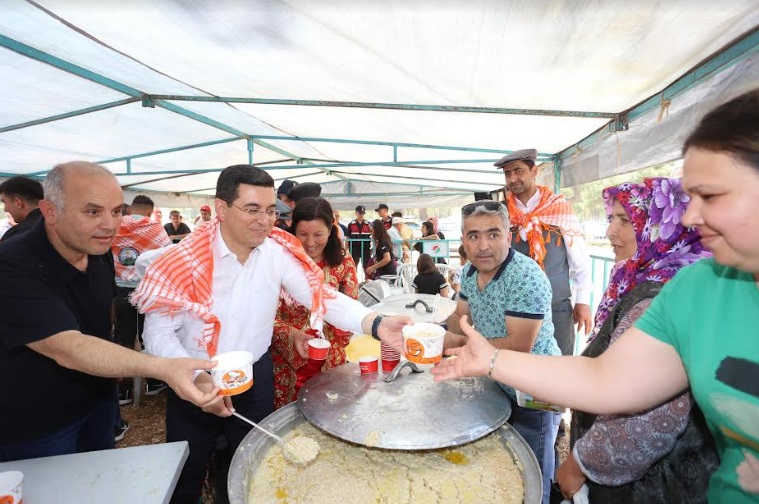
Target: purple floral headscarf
(656, 208)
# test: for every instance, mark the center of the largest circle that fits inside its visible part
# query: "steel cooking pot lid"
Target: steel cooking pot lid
(417, 306)
(409, 413)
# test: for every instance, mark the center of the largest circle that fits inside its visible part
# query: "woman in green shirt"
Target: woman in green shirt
(701, 331)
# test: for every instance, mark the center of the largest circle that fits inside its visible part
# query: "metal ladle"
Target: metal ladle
(291, 453)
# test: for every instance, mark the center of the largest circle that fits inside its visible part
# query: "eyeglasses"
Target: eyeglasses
(257, 213)
(489, 205)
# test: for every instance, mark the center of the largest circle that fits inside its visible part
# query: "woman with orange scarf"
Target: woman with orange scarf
(313, 224)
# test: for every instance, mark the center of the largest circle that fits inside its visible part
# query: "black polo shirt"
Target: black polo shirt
(23, 226)
(41, 295)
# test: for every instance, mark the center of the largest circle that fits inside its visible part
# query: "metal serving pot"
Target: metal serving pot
(253, 448)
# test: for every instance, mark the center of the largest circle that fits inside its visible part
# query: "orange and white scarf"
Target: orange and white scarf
(181, 279)
(138, 233)
(552, 210)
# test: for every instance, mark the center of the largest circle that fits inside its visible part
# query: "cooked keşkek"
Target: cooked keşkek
(479, 472)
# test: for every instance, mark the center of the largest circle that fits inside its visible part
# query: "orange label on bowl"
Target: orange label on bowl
(415, 353)
(235, 382)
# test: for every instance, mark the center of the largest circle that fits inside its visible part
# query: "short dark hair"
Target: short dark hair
(731, 128)
(425, 264)
(228, 185)
(462, 252)
(142, 201)
(28, 189)
(309, 209)
(396, 214)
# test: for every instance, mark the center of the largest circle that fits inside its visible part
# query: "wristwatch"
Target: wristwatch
(375, 327)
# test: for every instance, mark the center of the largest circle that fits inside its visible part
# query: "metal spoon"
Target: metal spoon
(300, 455)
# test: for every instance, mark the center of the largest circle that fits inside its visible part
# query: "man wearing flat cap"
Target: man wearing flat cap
(359, 237)
(545, 228)
(383, 211)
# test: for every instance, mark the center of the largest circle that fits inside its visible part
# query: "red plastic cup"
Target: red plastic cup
(368, 365)
(389, 364)
(318, 348)
(388, 352)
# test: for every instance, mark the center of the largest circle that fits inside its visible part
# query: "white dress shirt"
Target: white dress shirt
(245, 299)
(580, 265)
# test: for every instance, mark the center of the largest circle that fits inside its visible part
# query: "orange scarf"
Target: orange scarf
(140, 234)
(553, 210)
(181, 279)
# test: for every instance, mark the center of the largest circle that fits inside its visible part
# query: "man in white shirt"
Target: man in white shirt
(546, 229)
(246, 263)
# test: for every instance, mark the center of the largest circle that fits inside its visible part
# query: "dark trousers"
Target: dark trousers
(128, 323)
(563, 326)
(93, 431)
(187, 422)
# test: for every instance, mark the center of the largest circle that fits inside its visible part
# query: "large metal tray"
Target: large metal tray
(411, 412)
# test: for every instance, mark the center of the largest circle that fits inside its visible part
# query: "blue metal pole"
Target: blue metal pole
(541, 155)
(556, 174)
(390, 106)
(250, 151)
(67, 115)
(167, 151)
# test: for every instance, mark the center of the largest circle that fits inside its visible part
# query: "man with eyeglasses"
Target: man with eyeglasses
(507, 298)
(218, 291)
(546, 229)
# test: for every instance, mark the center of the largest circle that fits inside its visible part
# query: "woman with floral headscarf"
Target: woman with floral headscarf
(664, 454)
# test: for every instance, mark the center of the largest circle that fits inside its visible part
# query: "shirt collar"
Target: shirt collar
(531, 203)
(221, 251)
(37, 234)
(501, 268)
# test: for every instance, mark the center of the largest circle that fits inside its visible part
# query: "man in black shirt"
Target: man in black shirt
(176, 229)
(56, 358)
(21, 196)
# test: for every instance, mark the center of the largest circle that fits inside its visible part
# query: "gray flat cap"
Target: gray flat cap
(520, 155)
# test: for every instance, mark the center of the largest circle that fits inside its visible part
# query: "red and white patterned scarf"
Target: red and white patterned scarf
(181, 279)
(552, 210)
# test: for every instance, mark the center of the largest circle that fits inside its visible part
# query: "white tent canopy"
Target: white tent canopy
(405, 102)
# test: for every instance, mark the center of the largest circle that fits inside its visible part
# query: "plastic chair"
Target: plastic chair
(406, 274)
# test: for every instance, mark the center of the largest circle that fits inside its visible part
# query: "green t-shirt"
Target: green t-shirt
(710, 314)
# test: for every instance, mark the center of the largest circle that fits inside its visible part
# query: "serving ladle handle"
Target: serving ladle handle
(427, 307)
(397, 371)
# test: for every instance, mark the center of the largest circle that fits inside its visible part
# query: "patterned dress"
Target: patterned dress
(662, 455)
(292, 318)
